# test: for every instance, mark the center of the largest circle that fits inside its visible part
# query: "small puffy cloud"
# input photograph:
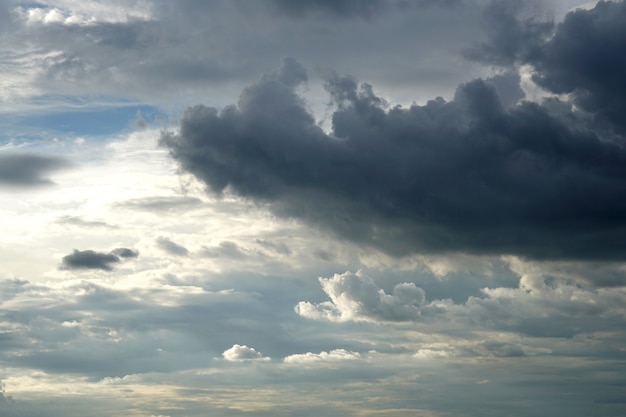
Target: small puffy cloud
(27, 169)
(171, 247)
(332, 356)
(239, 353)
(355, 297)
(90, 259)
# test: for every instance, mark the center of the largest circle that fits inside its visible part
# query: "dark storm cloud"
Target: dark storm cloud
(586, 57)
(89, 259)
(27, 169)
(582, 56)
(512, 37)
(466, 175)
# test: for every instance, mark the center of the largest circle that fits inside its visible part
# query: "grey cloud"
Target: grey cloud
(125, 253)
(581, 56)
(89, 259)
(507, 86)
(585, 57)
(225, 249)
(151, 59)
(28, 169)
(279, 247)
(343, 8)
(354, 8)
(161, 203)
(77, 221)
(324, 255)
(466, 175)
(171, 247)
(505, 350)
(512, 36)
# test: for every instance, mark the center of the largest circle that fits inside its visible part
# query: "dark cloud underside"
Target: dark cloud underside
(28, 170)
(582, 56)
(89, 259)
(466, 175)
(586, 57)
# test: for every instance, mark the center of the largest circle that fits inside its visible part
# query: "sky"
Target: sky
(357, 208)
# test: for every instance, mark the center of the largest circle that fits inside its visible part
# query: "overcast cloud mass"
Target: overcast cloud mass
(312, 208)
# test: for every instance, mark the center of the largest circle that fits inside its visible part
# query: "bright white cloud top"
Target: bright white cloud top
(312, 208)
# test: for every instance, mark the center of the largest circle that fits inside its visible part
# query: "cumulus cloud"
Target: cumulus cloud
(466, 175)
(544, 304)
(333, 355)
(355, 297)
(239, 353)
(89, 259)
(28, 169)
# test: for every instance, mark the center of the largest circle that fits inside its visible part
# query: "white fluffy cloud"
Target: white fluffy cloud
(356, 297)
(333, 355)
(239, 353)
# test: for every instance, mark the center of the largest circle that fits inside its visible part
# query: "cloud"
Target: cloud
(125, 253)
(342, 8)
(355, 297)
(331, 356)
(466, 175)
(225, 249)
(512, 36)
(28, 169)
(78, 221)
(545, 303)
(162, 203)
(239, 353)
(353, 8)
(585, 58)
(277, 247)
(580, 56)
(89, 259)
(171, 247)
